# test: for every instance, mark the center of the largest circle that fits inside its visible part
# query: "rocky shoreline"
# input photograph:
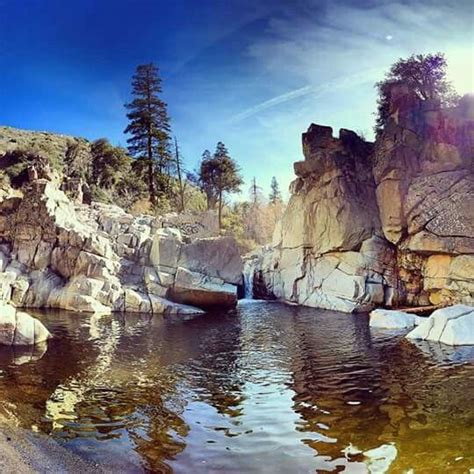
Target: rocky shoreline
(22, 451)
(58, 252)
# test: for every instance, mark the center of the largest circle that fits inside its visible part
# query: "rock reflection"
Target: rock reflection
(443, 354)
(267, 385)
(19, 355)
(364, 392)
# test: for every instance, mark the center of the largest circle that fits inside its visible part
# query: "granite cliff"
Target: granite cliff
(389, 223)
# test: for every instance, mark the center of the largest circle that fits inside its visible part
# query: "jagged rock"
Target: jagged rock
(202, 290)
(97, 258)
(20, 329)
(453, 325)
(390, 319)
(387, 223)
(335, 209)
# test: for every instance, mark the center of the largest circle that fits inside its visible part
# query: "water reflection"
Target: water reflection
(265, 388)
(19, 355)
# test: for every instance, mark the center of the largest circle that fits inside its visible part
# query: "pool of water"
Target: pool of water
(265, 388)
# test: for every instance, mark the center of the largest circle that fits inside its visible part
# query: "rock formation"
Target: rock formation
(453, 326)
(389, 223)
(97, 258)
(20, 329)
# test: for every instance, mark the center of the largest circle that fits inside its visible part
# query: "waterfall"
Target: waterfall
(249, 271)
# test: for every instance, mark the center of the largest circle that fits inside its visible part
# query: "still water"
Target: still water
(266, 388)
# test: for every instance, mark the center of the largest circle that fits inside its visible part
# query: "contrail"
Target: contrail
(338, 83)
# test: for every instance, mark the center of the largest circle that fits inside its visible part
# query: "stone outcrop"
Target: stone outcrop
(20, 329)
(383, 224)
(97, 258)
(453, 326)
(423, 165)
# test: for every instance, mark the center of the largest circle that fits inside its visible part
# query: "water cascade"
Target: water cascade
(249, 271)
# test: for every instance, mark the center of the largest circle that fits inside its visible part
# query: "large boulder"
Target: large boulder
(202, 290)
(453, 325)
(166, 249)
(20, 329)
(214, 256)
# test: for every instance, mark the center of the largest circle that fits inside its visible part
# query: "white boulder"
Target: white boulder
(453, 325)
(390, 319)
(202, 290)
(20, 329)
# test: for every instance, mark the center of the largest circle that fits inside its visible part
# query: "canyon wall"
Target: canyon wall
(389, 223)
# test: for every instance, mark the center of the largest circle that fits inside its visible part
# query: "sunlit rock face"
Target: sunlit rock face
(329, 249)
(97, 258)
(425, 156)
(388, 223)
(453, 326)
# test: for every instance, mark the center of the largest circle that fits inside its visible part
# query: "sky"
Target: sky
(251, 73)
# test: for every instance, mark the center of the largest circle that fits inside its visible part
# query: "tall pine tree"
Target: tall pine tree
(149, 124)
(227, 176)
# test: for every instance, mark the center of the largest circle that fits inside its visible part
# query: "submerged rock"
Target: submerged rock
(20, 329)
(453, 326)
(390, 319)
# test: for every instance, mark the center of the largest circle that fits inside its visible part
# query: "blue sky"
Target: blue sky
(251, 73)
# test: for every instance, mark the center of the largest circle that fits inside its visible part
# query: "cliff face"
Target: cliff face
(390, 223)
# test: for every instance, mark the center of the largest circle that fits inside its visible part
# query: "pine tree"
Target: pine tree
(149, 124)
(206, 179)
(228, 178)
(275, 194)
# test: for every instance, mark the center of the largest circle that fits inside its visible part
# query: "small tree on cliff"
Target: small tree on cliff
(425, 75)
(275, 193)
(149, 124)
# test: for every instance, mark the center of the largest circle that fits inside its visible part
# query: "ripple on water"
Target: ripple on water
(263, 388)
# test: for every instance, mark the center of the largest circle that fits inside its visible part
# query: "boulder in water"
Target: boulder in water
(201, 290)
(453, 325)
(390, 319)
(20, 329)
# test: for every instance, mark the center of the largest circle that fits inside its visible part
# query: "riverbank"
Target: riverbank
(22, 451)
